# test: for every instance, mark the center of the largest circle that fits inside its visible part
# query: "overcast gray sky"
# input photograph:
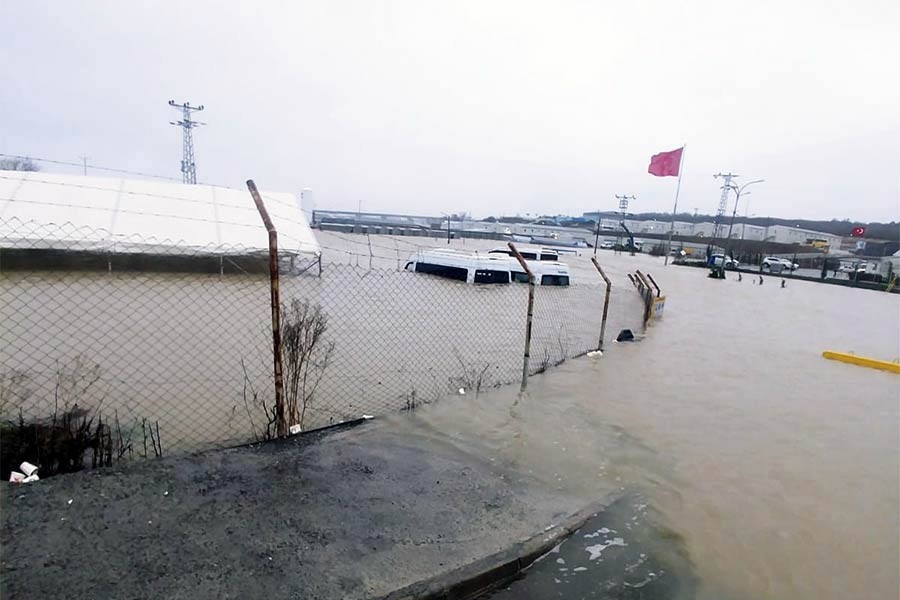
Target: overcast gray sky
(485, 106)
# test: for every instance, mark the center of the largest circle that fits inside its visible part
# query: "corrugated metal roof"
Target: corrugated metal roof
(130, 215)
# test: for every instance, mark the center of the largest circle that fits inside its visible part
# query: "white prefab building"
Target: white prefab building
(51, 211)
(794, 235)
(744, 231)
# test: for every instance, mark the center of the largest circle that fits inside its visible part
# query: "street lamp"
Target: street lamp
(738, 191)
(448, 228)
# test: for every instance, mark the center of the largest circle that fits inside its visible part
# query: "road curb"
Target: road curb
(485, 574)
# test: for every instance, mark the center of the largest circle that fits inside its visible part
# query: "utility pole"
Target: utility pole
(188, 168)
(597, 233)
(84, 162)
(623, 208)
(723, 200)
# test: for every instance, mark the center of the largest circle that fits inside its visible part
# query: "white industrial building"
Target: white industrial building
(71, 212)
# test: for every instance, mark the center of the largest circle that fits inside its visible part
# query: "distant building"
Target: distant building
(105, 217)
(745, 231)
(807, 237)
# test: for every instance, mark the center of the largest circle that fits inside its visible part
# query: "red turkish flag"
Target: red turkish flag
(666, 164)
(858, 232)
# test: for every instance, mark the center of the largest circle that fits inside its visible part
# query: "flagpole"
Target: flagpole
(675, 208)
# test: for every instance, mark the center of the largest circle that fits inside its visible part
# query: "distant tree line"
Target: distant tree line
(18, 164)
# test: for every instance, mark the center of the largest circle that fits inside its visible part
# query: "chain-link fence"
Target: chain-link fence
(112, 351)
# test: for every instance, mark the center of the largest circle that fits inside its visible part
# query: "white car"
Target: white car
(769, 261)
(730, 263)
(852, 269)
(607, 245)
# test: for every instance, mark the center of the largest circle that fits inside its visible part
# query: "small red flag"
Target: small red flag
(858, 232)
(665, 164)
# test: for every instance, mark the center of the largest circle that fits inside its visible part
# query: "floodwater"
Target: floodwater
(596, 562)
(775, 471)
(192, 351)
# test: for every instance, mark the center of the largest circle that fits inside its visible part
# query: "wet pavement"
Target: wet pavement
(348, 514)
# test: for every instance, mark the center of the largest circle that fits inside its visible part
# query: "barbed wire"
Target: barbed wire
(32, 232)
(133, 212)
(32, 179)
(127, 172)
(82, 165)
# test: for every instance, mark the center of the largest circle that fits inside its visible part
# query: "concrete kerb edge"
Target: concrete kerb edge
(334, 427)
(483, 575)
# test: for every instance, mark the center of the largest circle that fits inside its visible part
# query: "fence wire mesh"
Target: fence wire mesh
(146, 348)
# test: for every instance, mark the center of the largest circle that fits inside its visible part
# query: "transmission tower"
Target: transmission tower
(623, 209)
(188, 168)
(723, 200)
(623, 202)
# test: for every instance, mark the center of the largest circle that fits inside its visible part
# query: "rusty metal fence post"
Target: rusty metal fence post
(528, 320)
(605, 301)
(646, 295)
(280, 422)
(653, 281)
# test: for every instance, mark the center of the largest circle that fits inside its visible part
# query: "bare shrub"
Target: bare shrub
(411, 402)
(473, 375)
(254, 403)
(74, 432)
(15, 390)
(306, 355)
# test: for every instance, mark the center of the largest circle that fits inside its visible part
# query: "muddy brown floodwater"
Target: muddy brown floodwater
(777, 471)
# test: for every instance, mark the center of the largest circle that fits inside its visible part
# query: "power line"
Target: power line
(85, 165)
(188, 168)
(218, 203)
(89, 166)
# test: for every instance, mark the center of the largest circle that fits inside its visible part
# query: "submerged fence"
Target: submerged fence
(146, 349)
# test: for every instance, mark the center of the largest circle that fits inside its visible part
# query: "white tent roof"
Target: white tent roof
(45, 210)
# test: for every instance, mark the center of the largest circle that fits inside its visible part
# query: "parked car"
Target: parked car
(769, 261)
(850, 269)
(607, 245)
(730, 263)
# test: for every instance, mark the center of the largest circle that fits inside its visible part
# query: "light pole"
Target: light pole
(738, 191)
(448, 216)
